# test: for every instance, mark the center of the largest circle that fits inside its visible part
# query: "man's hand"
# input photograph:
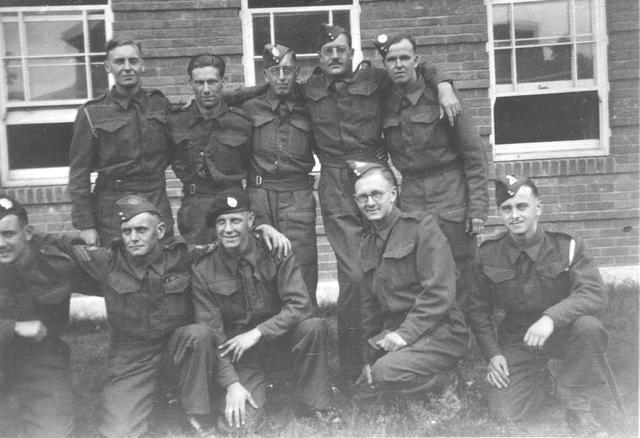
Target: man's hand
(498, 371)
(237, 345)
(365, 375)
(475, 226)
(235, 406)
(392, 342)
(31, 330)
(449, 103)
(539, 332)
(276, 242)
(90, 236)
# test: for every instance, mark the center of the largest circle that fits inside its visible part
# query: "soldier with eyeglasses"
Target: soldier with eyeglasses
(279, 185)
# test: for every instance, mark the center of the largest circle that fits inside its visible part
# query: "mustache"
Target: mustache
(335, 62)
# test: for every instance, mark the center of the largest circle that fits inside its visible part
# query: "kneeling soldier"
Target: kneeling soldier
(548, 289)
(414, 332)
(256, 306)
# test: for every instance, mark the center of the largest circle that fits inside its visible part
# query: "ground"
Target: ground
(391, 416)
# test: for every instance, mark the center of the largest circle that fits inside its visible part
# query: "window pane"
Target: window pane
(341, 18)
(11, 39)
(14, 80)
(549, 117)
(41, 145)
(261, 33)
(541, 19)
(99, 77)
(96, 36)
(306, 67)
(501, 23)
(502, 60)
(297, 31)
(57, 78)
(585, 61)
(289, 3)
(54, 37)
(583, 17)
(541, 64)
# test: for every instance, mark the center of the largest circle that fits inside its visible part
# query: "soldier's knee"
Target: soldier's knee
(383, 371)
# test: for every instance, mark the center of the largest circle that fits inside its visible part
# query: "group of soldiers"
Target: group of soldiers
(237, 289)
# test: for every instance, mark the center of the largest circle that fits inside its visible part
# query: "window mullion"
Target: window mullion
(512, 37)
(87, 59)
(272, 28)
(574, 44)
(23, 57)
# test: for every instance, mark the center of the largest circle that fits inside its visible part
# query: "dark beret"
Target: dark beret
(507, 187)
(132, 205)
(229, 201)
(272, 55)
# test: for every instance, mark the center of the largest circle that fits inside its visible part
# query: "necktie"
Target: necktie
(253, 300)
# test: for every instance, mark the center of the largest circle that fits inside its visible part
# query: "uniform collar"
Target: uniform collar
(125, 101)
(274, 100)
(415, 91)
(140, 266)
(384, 226)
(218, 111)
(328, 81)
(249, 254)
(530, 247)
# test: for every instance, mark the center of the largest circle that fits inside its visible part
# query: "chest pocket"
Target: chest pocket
(398, 268)
(176, 283)
(259, 121)
(225, 287)
(111, 133)
(123, 285)
(509, 293)
(555, 282)
(423, 125)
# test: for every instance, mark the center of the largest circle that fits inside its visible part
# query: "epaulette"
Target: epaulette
(493, 238)
(364, 65)
(95, 99)
(559, 234)
(179, 107)
(153, 92)
(241, 113)
(173, 242)
(416, 215)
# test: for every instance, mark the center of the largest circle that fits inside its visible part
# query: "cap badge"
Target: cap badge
(6, 203)
(382, 38)
(232, 202)
(133, 201)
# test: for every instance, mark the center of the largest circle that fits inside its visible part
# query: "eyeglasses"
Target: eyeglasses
(364, 197)
(340, 50)
(275, 70)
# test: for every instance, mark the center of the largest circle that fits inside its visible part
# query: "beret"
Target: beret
(328, 33)
(232, 200)
(507, 187)
(273, 54)
(132, 205)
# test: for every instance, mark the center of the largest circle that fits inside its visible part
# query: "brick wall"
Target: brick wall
(595, 198)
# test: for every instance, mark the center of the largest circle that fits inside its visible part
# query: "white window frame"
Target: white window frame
(37, 112)
(555, 149)
(246, 18)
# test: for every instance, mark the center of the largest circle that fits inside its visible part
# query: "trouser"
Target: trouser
(427, 365)
(192, 219)
(306, 348)
(38, 386)
(293, 213)
(343, 225)
(106, 212)
(135, 368)
(580, 378)
(464, 246)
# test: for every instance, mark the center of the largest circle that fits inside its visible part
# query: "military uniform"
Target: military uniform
(346, 117)
(443, 167)
(279, 185)
(125, 140)
(233, 295)
(209, 155)
(409, 288)
(148, 305)
(37, 373)
(551, 275)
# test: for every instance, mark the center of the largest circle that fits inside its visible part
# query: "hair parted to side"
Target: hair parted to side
(206, 60)
(121, 41)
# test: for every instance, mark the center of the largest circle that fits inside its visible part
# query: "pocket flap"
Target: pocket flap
(262, 120)
(232, 139)
(176, 283)
(123, 285)
(498, 275)
(430, 115)
(225, 287)
(391, 122)
(301, 124)
(399, 251)
(553, 269)
(111, 125)
(363, 89)
(159, 116)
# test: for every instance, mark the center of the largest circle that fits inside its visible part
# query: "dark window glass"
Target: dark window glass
(297, 31)
(547, 117)
(41, 145)
(14, 3)
(290, 3)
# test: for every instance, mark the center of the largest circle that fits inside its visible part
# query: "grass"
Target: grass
(390, 416)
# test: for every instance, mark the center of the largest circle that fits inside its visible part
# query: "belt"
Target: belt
(422, 173)
(208, 187)
(284, 184)
(341, 162)
(153, 182)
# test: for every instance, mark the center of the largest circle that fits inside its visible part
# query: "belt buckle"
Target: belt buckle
(258, 180)
(192, 189)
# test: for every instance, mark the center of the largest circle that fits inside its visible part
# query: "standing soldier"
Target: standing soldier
(279, 185)
(210, 146)
(548, 289)
(36, 281)
(122, 136)
(345, 108)
(443, 166)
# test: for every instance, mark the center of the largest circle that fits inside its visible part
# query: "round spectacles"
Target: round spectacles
(376, 196)
(286, 70)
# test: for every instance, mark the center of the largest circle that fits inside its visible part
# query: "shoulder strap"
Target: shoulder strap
(93, 128)
(572, 250)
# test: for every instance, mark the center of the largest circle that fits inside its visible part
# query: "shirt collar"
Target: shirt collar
(153, 261)
(274, 100)
(531, 247)
(383, 227)
(415, 91)
(233, 261)
(218, 111)
(125, 101)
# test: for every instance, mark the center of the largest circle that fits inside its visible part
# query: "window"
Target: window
(53, 61)
(548, 78)
(292, 23)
